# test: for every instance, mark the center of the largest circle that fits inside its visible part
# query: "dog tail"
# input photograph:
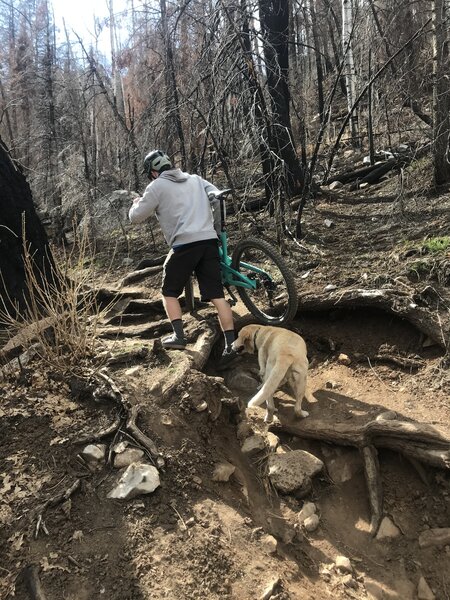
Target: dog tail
(270, 386)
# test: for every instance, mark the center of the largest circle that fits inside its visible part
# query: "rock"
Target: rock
(127, 261)
(328, 223)
(311, 523)
(424, 591)
(223, 471)
(128, 456)
(344, 359)
(253, 444)
(272, 440)
(308, 509)
(330, 287)
(364, 185)
(343, 564)
(94, 452)
(335, 185)
(387, 530)
(133, 371)
(387, 415)
(348, 153)
(138, 478)
(271, 589)
(332, 385)
(293, 471)
(439, 536)
(269, 543)
(348, 581)
(241, 380)
(244, 430)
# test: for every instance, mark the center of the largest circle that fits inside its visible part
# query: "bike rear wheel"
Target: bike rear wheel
(275, 299)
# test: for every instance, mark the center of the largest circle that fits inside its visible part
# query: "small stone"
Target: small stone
(269, 544)
(387, 530)
(128, 456)
(223, 471)
(244, 430)
(201, 406)
(332, 385)
(344, 359)
(424, 591)
(190, 522)
(308, 509)
(330, 287)
(94, 452)
(138, 478)
(440, 536)
(273, 441)
(349, 582)
(343, 564)
(253, 444)
(292, 471)
(328, 223)
(133, 371)
(271, 589)
(197, 480)
(311, 523)
(335, 185)
(364, 185)
(127, 261)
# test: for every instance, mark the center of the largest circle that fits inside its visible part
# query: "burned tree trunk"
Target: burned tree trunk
(19, 223)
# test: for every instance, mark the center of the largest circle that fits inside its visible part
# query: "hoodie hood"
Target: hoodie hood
(176, 175)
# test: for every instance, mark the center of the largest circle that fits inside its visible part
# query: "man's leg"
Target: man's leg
(176, 341)
(227, 324)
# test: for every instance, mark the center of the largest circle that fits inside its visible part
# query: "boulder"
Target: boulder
(293, 470)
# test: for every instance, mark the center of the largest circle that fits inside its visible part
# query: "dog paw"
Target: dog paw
(302, 414)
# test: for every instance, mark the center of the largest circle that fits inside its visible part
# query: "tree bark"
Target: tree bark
(19, 223)
(441, 94)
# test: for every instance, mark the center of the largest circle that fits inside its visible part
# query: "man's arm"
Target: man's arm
(144, 207)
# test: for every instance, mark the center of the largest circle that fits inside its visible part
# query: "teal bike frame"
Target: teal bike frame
(231, 277)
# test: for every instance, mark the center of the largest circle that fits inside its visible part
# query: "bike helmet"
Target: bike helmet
(156, 160)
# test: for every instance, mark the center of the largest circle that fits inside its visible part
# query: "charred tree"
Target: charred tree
(19, 224)
(274, 15)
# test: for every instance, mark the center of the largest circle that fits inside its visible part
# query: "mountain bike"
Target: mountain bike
(258, 273)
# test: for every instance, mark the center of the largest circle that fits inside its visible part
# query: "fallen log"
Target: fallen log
(151, 262)
(399, 303)
(350, 176)
(377, 173)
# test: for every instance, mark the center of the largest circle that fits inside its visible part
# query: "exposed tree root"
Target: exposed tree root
(417, 441)
(403, 304)
(30, 575)
(136, 276)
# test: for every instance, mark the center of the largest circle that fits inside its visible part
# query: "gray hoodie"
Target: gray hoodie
(181, 204)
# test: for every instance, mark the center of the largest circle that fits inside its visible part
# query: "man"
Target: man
(181, 204)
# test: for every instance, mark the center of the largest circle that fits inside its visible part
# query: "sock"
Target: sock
(230, 336)
(177, 325)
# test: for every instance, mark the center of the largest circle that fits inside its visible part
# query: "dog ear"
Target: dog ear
(246, 335)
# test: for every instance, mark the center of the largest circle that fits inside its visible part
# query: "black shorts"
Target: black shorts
(201, 258)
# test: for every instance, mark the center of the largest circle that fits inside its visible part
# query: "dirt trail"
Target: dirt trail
(198, 538)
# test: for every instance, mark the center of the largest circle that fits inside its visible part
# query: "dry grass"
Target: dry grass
(62, 312)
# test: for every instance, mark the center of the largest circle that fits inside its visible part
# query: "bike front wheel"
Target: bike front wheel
(274, 300)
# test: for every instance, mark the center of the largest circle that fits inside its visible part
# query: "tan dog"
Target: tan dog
(282, 359)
